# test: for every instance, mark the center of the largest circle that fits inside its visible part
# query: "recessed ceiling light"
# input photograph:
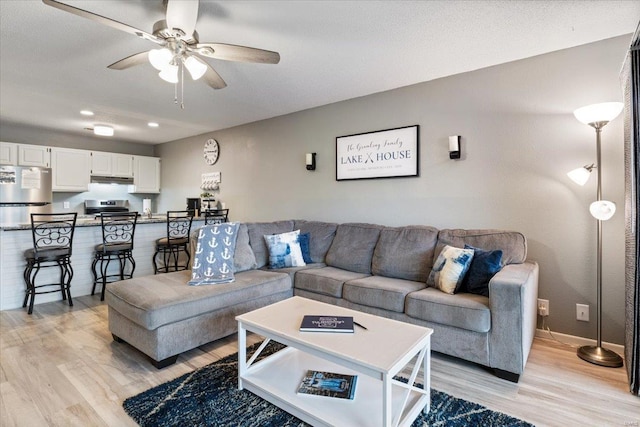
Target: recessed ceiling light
(86, 113)
(103, 130)
(153, 124)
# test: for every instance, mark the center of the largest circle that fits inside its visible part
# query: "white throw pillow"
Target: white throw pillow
(284, 250)
(450, 268)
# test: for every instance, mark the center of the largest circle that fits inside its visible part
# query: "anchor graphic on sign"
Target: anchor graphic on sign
(211, 258)
(196, 263)
(226, 254)
(224, 269)
(213, 243)
(199, 248)
(227, 241)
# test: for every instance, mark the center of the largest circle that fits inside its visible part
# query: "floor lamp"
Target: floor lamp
(597, 116)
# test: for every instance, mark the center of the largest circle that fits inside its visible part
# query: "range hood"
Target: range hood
(97, 179)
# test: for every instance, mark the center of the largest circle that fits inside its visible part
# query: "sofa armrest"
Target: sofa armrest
(513, 294)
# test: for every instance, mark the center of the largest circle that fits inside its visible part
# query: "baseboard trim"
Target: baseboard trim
(578, 341)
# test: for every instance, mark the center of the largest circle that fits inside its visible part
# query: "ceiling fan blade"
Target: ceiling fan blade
(182, 14)
(213, 79)
(131, 61)
(104, 21)
(230, 52)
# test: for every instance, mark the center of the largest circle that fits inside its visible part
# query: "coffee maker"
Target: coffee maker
(193, 206)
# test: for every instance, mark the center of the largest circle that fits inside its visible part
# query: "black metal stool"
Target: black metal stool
(177, 241)
(52, 243)
(118, 229)
(216, 216)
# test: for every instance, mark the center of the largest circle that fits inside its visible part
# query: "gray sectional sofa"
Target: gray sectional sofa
(367, 267)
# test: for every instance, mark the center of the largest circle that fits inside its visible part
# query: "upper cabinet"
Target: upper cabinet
(8, 153)
(111, 164)
(24, 155)
(146, 175)
(70, 169)
(34, 155)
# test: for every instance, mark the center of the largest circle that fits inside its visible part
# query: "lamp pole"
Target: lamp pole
(597, 354)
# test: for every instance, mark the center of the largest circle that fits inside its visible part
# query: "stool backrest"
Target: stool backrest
(216, 216)
(53, 230)
(118, 228)
(178, 226)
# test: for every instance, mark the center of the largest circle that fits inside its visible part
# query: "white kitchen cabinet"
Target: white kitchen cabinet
(8, 153)
(71, 169)
(34, 155)
(111, 164)
(146, 175)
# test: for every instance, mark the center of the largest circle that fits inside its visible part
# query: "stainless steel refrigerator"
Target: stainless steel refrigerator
(24, 190)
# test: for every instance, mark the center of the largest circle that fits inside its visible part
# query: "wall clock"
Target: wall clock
(211, 151)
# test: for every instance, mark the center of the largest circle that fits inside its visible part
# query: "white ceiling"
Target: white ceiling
(53, 64)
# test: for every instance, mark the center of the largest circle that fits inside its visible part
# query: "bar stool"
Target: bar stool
(216, 216)
(118, 229)
(177, 241)
(52, 243)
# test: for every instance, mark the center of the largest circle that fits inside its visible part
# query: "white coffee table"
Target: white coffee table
(376, 355)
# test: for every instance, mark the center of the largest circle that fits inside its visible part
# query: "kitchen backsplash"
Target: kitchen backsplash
(101, 192)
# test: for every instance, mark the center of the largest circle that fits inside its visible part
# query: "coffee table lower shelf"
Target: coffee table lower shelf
(277, 377)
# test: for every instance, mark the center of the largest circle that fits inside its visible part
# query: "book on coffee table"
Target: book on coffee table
(326, 324)
(329, 384)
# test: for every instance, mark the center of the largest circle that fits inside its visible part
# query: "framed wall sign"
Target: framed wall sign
(390, 153)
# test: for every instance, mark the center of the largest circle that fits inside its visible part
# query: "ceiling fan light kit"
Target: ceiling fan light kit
(179, 43)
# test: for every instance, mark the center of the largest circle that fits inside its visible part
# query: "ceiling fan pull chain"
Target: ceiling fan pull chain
(175, 93)
(182, 85)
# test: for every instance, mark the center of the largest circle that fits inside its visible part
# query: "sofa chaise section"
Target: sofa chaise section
(163, 316)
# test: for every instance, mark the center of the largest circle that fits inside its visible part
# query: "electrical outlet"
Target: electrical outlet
(543, 307)
(65, 205)
(582, 312)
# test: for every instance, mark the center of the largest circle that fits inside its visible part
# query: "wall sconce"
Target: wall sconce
(454, 147)
(310, 161)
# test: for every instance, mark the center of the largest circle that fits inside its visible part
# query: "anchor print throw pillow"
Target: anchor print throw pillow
(213, 257)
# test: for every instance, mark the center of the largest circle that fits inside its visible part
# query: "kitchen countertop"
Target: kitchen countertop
(91, 221)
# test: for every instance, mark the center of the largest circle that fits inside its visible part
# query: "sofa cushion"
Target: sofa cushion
(512, 243)
(213, 257)
(326, 281)
(320, 237)
(257, 231)
(153, 301)
(284, 250)
(352, 247)
(405, 252)
(466, 311)
(381, 292)
(244, 259)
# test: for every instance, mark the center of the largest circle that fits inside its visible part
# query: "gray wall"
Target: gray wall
(519, 138)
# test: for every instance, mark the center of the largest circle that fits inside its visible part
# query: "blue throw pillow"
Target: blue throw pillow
(213, 257)
(304, 240)
(484, 265)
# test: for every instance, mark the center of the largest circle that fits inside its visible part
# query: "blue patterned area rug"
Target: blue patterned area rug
(209, 397)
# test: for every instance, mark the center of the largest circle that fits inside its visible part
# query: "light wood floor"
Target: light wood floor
(60, 367)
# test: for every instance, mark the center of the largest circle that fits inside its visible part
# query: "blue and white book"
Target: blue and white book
(329, 384)
(313, 323)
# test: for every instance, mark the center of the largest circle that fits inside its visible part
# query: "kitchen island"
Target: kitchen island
(15, 239)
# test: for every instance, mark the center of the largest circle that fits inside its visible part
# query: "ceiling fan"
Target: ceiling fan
(180, 47)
